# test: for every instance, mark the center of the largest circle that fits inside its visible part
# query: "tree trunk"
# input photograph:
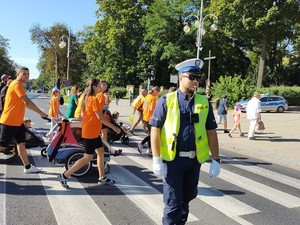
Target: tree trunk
(262, 62)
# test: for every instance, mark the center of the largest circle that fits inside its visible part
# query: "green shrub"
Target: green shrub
(234, 87)
(122, 91)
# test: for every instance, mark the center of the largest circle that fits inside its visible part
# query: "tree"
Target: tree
(6, 65)
(260, 24)
(113, 43)
(53, 60)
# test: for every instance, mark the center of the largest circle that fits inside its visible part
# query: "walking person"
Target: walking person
(73, 102)
(11, 122)
(3, 94)
(237, 114)
(54, 103)
(183, 130)
(117, 96)
(222, 112)
(148, 109)
(137, 106)
(253, 113)
(130, 97)
(91, 128)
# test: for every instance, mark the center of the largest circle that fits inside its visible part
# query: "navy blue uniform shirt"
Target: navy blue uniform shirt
(186, 135)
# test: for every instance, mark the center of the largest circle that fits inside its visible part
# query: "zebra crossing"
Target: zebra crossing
(261, 191)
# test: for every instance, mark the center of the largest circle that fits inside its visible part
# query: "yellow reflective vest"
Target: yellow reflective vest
(170, 129)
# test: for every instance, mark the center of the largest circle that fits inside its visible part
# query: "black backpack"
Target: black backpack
(61, 100)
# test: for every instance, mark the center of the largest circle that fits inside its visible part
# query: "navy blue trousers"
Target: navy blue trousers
(179, 188)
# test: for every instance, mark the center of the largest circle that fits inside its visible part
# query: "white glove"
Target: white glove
(157, 166)
(214, 168)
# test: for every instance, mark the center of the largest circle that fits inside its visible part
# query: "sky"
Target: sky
(18, 16)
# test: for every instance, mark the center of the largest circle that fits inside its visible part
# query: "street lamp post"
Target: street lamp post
(63, 44)
(200, 26)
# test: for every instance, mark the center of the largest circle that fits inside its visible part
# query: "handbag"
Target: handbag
(260, 125)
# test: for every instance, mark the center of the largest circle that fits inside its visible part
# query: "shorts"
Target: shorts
(222, 117)
(7, 133)
(90, 145)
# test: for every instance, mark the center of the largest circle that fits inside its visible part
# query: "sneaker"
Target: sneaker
(117, 152)
(105, 180)
(149, 151)
(32, 169)
(229, 135)
(131, 132)
(241, 134)
(62, 180)
(226, 131)
(140, 147)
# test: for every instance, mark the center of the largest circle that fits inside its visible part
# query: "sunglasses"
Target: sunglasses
(192, 77)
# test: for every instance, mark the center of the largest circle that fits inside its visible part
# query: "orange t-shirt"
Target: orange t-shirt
(91, 125)
(101, 98)
(148, 107)
(14, 108)
(77, 113)
(54, 107)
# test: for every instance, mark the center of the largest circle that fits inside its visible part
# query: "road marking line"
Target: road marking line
(3, 193)
(290, 181)
(72, 206)
(267, 192)
(226, 204)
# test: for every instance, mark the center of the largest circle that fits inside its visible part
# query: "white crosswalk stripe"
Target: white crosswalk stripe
(149, 200)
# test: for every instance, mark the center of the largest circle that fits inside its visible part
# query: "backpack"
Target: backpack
(61, 100)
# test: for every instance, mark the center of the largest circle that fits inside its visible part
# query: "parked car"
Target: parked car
(268, 103)
(40, 90)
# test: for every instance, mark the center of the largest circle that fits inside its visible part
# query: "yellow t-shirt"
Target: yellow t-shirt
(91, 125)
(54, 107)
(77, 113)
(14, 108)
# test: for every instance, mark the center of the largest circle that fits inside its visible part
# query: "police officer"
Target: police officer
(183, 131)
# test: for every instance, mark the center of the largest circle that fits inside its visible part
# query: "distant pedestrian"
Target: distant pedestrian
(237, 114)
(117, 96)
(11, 122)
(253, 113)
(4, 79)
(137, 106)
(54, 103)
(130, 97)
(148, 110)
(73, 101)
(3, 94)
(222, 112)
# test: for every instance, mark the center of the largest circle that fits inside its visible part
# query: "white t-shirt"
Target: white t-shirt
(253, 108)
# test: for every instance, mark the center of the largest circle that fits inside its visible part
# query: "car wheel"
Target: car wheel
(280, 109)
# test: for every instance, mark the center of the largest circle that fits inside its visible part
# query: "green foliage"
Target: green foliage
(234, 87)
(122, 91)
(291, 94)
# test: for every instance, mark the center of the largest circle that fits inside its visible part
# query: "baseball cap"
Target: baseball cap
(55, 89)
(4, 76)
(224, 96)
(190, 66)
